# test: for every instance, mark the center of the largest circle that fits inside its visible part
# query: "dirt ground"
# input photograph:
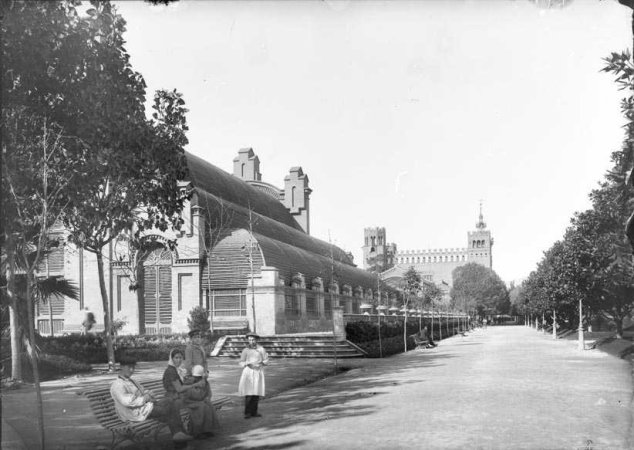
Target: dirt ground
(504, 387)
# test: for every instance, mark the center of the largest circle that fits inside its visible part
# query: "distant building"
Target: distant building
(436, 265)
(378, 255)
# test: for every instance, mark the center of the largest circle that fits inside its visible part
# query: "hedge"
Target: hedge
(91, 348)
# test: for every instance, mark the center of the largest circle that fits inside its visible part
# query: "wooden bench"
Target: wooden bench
(102, 406)
(419, 341)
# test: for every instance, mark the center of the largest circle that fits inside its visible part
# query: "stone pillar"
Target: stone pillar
(266, 299)
(338, 325)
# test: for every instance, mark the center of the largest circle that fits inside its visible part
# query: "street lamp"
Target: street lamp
(582, 344)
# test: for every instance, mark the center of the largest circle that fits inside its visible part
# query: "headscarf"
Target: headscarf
(182, 372)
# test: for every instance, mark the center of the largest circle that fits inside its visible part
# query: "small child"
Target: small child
(198, 393)
(198, 401)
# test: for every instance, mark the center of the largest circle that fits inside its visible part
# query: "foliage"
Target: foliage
(55, 366)
(198, 319)
(593, 262)
(479, 288)
(622, 175)
(72, 73)
(431, 294)
(91, 348)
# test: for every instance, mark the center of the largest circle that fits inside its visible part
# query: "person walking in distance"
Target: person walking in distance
(251, 386)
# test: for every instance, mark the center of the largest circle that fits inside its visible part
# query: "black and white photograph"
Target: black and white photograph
(317, 224)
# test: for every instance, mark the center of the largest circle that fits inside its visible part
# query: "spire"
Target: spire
(481, 225)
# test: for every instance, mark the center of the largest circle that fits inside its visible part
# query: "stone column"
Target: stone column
(265, 287)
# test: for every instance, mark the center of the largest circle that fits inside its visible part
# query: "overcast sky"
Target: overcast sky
(403, 114)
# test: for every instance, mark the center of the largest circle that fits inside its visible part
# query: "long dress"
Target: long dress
(252, 379)
(203, 413)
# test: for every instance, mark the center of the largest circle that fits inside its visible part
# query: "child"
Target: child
(198, 401)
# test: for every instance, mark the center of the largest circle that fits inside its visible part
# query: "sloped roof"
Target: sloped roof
(230, 264)
(282, 242)
(210, 179)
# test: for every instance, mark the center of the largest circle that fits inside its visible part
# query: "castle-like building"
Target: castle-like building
(434, 265)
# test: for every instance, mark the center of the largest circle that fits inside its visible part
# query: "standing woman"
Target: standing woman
(195, 354)
(251, 385)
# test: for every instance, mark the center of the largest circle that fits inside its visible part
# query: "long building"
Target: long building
(244, 253)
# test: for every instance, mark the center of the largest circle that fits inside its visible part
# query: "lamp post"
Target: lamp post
(582, 344)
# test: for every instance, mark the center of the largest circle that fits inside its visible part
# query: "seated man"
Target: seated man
(135, 404)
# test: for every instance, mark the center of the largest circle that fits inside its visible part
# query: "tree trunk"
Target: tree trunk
(14, 323)
(50, 316)
(106, 312)
(618, 321)
(554, 324)
(34, 362)
(405, 330)
(432, 321)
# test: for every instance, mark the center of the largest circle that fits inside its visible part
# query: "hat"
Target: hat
(127, 361)
(195, 331)
(198, 371)
(252, 334)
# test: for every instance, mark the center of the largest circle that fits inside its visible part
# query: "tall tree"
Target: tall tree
(621, 65)
(411, 287)
(34, 177)
(74, 70)
(479, 288)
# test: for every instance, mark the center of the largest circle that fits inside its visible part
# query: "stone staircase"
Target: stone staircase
(291, 346)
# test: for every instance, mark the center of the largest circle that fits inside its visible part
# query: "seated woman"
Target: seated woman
(173, 378)
(198, 401)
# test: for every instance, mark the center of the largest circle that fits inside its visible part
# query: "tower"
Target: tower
(296, 197)
(480, 243)
(246, 165)
(378, 255)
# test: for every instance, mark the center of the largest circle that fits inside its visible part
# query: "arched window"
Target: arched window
(418, 259)
(242, 169)
(293, 195)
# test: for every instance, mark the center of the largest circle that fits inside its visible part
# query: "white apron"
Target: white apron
(252, 380)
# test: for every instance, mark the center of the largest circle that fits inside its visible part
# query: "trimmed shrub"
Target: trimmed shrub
(364, 331)
(53, 367)
(91, 348)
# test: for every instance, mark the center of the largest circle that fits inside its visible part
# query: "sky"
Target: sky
(404, 115)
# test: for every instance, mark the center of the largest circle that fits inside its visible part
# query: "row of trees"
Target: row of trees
(78, 150)
(592, 263)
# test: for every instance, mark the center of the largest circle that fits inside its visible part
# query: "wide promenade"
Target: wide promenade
(500, 388)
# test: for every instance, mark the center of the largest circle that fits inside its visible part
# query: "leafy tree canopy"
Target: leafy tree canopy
(477, 287)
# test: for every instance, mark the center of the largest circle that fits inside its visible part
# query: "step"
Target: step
(318, 346)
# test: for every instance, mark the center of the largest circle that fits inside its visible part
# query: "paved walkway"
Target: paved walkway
(506, 387)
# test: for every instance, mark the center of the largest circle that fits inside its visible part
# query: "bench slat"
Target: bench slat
(102, 406)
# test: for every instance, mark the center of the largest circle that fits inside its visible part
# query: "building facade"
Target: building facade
(244, 253)
(437, 265)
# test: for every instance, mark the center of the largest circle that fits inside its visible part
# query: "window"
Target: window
(229, 302)
(292, 302)
(312, 304)
(183, 283)
(122, 280)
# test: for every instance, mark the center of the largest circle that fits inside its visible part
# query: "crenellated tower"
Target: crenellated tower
(378, 255)
(480, 243)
